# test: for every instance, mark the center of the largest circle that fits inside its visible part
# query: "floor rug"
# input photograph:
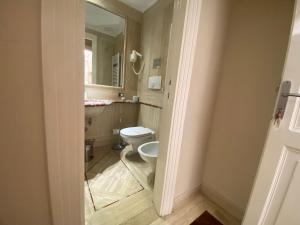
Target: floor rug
(206, 219)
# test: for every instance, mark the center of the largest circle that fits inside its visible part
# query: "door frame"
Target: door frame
(62, 41)
(268, 175)
(176, 98)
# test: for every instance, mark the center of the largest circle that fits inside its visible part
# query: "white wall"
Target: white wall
(24, 194)
(202, 93)
(252, 65)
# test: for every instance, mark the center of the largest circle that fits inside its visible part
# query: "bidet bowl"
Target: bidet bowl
(149, 152)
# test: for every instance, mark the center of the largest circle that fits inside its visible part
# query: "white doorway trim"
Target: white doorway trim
(62, 39)
(62, 34)
(166, 188)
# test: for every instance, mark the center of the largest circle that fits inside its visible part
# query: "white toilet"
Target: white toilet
(149, 152)
(137, 136)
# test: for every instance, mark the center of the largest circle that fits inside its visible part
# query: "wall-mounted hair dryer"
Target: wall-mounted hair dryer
(134, 55)
(133, 58)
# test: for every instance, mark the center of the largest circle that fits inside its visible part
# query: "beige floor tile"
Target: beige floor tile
(89, 207)
(123, 210)
(110, 181)
(159, 221)
(138, 167)
(114, 181)
(144, 218)
(99, 153)
(138, 209)
(104, 163)
(187, 213)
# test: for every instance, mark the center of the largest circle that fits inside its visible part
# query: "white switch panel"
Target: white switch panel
(154, 82)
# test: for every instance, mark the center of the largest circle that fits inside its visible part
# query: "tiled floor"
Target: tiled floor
(138, 209)
(112, 176)
(119, 192)
(110, 181)
(138, 168)
(99, 153)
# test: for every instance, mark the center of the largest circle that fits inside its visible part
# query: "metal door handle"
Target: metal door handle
(285, 90)
(282, 100)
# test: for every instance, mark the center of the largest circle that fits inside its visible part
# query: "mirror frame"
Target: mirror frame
(102, 5)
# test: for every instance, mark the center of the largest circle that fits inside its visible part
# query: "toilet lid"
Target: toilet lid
(136, 131)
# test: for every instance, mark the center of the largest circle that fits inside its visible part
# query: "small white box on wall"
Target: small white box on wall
(154, 82)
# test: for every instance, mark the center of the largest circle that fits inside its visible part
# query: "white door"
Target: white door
(275, 199)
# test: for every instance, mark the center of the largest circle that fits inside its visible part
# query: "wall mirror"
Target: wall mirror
(105, 34)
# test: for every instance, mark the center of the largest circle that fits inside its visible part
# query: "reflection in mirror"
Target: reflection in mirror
(104, 47)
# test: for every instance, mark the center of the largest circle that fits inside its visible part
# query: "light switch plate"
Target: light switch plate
(154, 82)
(157, 63)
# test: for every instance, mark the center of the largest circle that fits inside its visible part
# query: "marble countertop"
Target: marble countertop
(98, 102)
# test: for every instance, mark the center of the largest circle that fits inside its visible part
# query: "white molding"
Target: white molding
(229, 207)
(271, 195)
(62, 39)
(62, 60)
(187, 196)
(186, 62)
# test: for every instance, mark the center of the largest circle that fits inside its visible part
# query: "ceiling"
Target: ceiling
(140, 5)
(103, 21)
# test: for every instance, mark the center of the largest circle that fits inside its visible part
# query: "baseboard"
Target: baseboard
(222, 202)
(186, 197)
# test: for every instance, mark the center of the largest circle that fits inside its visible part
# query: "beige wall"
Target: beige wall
(116, 115)
(105, 50)
(149, 117)
(210, 43)
(24, 190)
(252, 65)
(133, 30)
(105, 60)
(174, 53)
(132, 42)
(154, 44)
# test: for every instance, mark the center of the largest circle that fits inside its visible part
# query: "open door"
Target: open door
(275, 199)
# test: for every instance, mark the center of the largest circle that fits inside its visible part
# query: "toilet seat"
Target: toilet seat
(136, 132)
